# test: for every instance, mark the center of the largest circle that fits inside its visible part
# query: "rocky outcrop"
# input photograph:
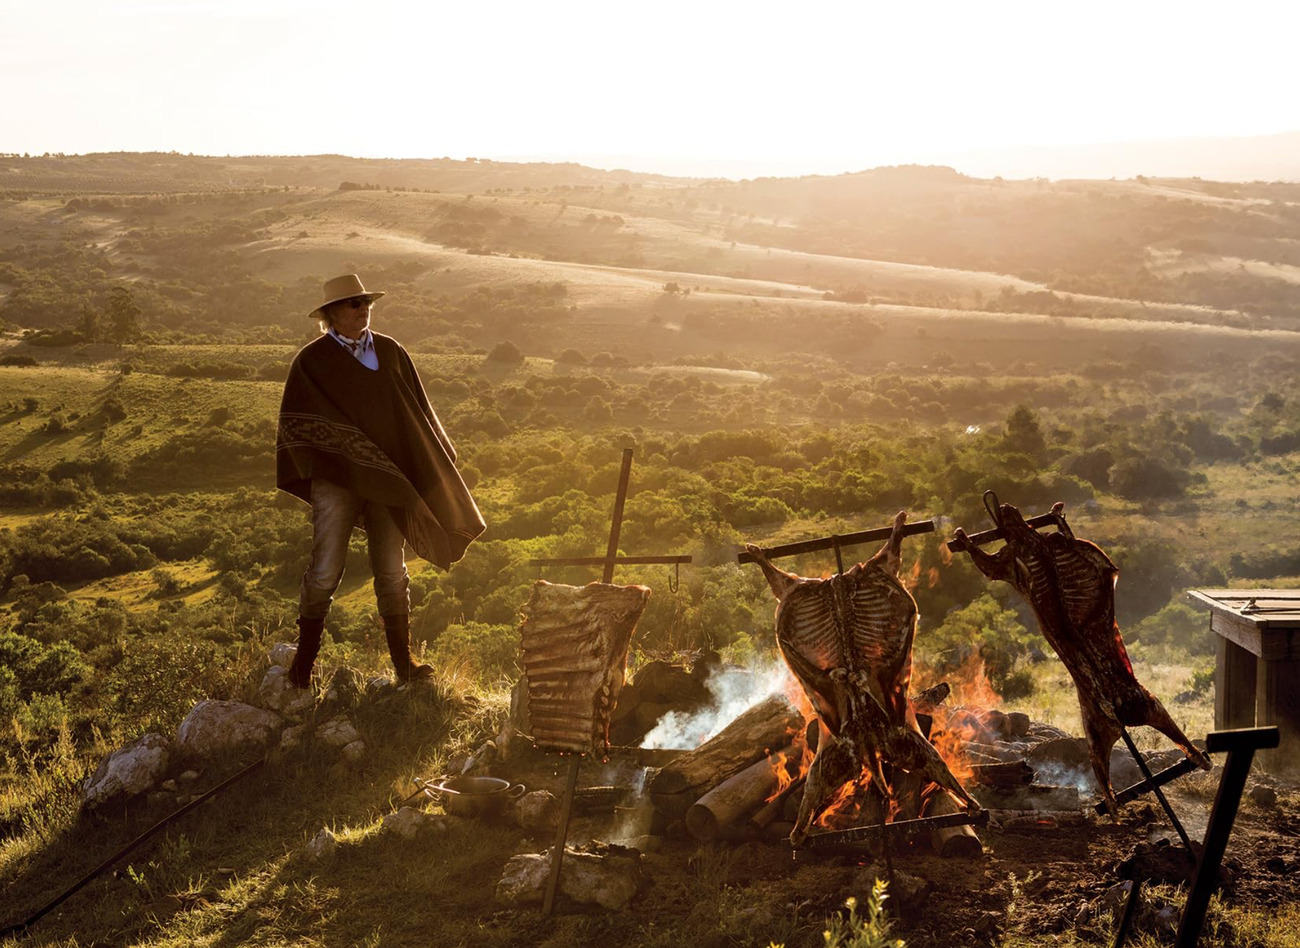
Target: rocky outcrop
(337, 732)
(322, 845)
(128, 771)
(408, 823)
(282, 654)
(538, 811)
(598, 874)
(277, 694)
(219, 728)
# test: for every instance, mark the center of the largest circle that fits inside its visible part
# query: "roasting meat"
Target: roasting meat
(1070, 583)
(848, 640)
(574, 654)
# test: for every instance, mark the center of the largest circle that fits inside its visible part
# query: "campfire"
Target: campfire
(832, 752)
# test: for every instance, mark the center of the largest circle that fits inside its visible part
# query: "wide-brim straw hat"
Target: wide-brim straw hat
(346, 287)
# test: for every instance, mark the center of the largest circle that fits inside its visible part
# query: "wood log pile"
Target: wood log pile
(746, 782)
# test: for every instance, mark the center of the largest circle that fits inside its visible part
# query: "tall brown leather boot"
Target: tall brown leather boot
(309, 636)
(397, 630)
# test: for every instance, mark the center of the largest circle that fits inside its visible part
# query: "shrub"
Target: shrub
(506, 352)
(18, 360)
(986, 628)
(1147, 478)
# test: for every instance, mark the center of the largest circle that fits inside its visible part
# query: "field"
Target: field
(789, 358)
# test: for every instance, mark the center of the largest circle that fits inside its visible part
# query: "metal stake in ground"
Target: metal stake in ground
(1241, 746)
(608, 561)
(1155, 788)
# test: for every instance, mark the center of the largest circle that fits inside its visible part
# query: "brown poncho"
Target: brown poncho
(375, 433)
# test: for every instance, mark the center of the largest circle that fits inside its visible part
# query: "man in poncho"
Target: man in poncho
(358, 440)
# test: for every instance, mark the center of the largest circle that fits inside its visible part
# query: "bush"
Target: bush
(18, 360)
(1147, 478)
(40, 669)
(506, 352)
(986, 628)
(1177, 624)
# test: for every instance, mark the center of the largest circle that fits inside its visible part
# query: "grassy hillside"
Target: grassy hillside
(790, 358)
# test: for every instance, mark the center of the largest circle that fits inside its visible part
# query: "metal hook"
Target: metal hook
(675, 579)
(993, 509)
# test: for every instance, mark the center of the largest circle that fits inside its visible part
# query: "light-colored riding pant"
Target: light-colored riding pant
(334, 511)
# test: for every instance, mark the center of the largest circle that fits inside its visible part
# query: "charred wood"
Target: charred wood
(750, 737)
(1014, 773)
(951, 842)
(730, 802)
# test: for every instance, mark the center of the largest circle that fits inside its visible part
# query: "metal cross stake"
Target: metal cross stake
(608, 561)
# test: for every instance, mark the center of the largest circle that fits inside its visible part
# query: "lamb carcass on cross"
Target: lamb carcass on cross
(1070, 584)
(848, 640)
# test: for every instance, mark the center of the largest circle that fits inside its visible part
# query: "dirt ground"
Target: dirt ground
(1028, 883)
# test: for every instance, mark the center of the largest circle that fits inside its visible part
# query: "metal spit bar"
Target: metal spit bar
(831, 542)
(988, 536)
(923, 824)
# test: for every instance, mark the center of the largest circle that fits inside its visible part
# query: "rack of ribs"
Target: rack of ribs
(573, 649)
(1070, 584)
(848, 640)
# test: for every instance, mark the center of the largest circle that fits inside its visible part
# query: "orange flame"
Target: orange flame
(970, 684)
(780, 766)
(932, 577)
(913, 577)
(949, 745)
(846, 804)
(945, 554)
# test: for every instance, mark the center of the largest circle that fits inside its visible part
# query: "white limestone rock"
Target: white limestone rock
(337, 732)
(128, 771)
(291, 738)
(322, 845)
(282, 654)
(408, 823)
(537, 811)
(354, 753)
(276, 693)
(216, 728)
(605, 876)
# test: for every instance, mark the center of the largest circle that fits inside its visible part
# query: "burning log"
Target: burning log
(1015, 773)
(1004, 753)
(1013, 821)
(727, 804)
(1032, 797)
(957, 841)
(774, 809)
(928, 701)
(750, 737)
(600, 799)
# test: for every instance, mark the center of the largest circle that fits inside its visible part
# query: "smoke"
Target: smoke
(1050, 773)
(732, 691)
(634, 817)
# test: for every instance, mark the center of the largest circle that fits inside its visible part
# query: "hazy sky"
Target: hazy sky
(798, 86)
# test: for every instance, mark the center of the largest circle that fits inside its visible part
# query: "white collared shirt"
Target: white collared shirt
(363, 349)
